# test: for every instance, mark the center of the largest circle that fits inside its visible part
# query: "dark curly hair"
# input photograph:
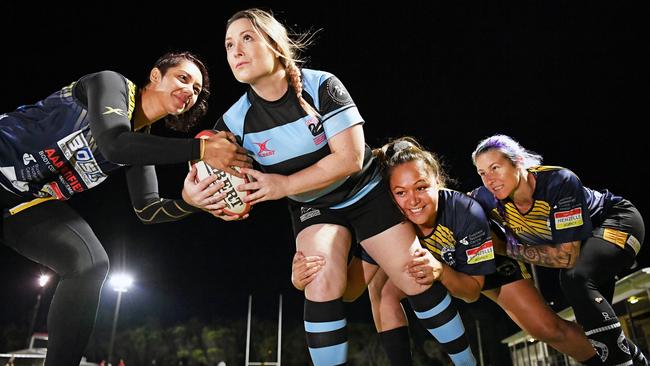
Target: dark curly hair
(406, 149)
(185, 121)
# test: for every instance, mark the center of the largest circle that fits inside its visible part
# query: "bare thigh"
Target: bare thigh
(392, 249)
(333, 243)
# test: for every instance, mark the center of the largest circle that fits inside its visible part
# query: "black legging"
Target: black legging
(589, 288)
(54, 235)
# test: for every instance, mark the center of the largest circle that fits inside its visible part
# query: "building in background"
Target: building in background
(632, 306)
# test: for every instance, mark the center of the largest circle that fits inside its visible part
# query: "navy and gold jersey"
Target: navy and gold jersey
(461, 236)
(47, 149)
(284, 139)
(563, 209)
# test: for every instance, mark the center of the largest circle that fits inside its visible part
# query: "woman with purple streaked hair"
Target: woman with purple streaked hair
(550, 219)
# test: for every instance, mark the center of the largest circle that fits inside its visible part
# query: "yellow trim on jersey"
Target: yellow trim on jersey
(132, 91)
(25, 205)
(441, 237)
(544, 168)
(66, 91)
(524, 271)
(534, 223)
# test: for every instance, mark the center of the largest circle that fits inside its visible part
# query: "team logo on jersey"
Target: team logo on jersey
(316, 128)
(483, 253)
(447, 254)
(568, 219)
(337, 91)
(264, 150)
(111, 110)
(27, 158)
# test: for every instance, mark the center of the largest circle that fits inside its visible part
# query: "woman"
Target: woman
(454, 228)
(306, 134)
(66, 144)
(552, 220)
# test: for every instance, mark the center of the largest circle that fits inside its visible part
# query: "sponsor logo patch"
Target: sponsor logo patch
(76, 151)
(27, 158)
(307, 213)
(111, 110)
(480, 254)
(568, 219)
(264, 149)
(615, 236)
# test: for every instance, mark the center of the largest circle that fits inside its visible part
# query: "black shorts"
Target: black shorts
(371, 215)
(508, 270)
(623, 226)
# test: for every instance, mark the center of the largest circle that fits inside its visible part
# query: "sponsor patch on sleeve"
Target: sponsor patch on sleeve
(483, 253)
(568, 219)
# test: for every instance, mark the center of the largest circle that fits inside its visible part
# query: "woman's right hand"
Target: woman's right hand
(424, 267)
(223, 152)
(202, 195)
(304, 269)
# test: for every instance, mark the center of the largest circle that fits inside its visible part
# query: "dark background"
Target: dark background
(569, 80)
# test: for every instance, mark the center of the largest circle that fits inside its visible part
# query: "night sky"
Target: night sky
(568, 80)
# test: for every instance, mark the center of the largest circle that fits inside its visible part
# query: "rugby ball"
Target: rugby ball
(235, 205)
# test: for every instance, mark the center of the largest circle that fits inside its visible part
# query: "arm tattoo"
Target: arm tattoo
(554, 256)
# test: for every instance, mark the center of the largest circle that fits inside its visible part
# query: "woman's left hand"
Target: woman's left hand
(264, 187)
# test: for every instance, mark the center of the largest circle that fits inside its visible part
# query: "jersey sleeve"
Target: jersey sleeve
(337, 109)
(474, 249)
(147, 204)
(111, 102)
(487, 201)
(569, 215)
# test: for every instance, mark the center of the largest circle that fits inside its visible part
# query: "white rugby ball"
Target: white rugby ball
(234, 200)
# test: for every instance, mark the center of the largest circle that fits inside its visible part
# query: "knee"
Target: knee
(573, 281)
(325, 287)
(94, 265)
(550, 332)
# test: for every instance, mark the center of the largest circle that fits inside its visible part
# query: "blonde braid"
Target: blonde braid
(295, 81)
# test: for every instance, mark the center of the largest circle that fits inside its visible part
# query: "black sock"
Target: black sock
(397, 345)
(326, 330)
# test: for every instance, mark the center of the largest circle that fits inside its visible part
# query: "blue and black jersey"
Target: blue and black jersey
(563, 209)
(283, 138)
